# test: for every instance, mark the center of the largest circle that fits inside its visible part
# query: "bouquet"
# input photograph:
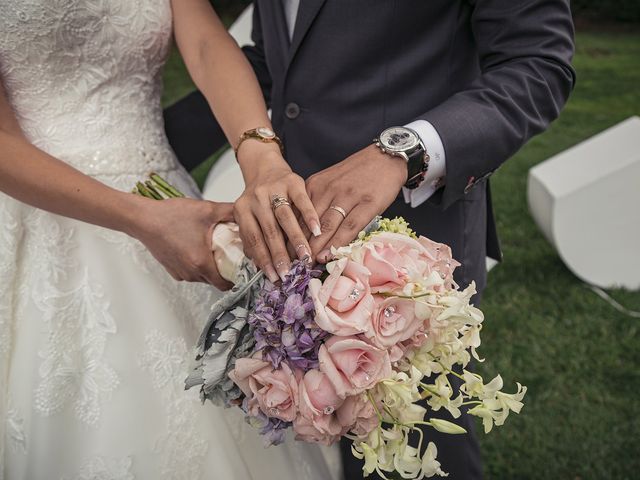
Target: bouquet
(362, 348)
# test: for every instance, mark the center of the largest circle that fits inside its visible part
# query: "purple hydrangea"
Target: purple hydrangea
(272, 429)
(283, 320)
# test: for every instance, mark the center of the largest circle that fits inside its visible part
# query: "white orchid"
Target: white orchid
(474, 387)
(401, 390)
(439, 395)
(446, 426)
(495, 410)
(430, 466)
(407, 461)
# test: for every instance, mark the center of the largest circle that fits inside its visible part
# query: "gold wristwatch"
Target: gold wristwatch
(263, 134)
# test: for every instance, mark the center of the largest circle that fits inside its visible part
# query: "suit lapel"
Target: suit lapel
(307, 13)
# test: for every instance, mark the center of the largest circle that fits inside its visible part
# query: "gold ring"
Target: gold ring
(340, 210)
(278, 201)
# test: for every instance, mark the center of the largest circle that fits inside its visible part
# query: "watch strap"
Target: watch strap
(417, 167)
(255, 134)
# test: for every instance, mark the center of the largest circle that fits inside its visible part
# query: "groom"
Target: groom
(466, 83)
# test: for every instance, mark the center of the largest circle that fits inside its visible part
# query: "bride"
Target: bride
(94, 333)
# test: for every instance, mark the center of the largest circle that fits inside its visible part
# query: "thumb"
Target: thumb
(222, 212)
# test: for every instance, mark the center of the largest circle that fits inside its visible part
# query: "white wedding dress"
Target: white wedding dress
(95, 337)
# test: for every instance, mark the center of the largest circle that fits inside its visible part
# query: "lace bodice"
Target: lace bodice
(84, 79)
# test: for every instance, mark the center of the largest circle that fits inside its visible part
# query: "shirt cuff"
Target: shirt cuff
(437, 164)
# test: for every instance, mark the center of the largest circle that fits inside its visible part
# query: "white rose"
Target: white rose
(227, 250)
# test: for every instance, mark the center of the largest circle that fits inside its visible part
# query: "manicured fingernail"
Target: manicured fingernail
(324, 256)
(315, 229)
(283, 269)
(271, 273)
(302, 251)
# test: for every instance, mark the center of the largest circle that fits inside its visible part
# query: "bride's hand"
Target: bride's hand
(178, 231)
(265, 230)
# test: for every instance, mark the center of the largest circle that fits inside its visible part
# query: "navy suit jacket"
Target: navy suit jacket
(487, 74)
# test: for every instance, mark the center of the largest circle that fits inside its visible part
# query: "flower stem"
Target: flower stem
(164, 191)
(161, 182)
(152, 189)
(144, 191)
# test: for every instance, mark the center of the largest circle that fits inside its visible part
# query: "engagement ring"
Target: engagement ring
(278, 201)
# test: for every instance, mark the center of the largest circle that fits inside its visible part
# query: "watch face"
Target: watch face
(265, 132)
(398, 139)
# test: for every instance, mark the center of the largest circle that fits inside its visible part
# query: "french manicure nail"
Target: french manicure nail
(302, 251)
(283, 269)
(271, 273)
(315, 229)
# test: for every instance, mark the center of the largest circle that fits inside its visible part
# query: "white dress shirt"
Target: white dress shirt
(426, 131)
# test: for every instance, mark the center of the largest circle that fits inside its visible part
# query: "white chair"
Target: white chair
(586, 201)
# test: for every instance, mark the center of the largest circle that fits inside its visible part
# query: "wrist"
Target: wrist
(255, 158)
(393, 166)
(137, 214)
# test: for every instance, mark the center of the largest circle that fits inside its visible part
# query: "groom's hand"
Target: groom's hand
(358, 188)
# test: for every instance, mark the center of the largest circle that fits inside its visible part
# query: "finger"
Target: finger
(289, 224)
(273, 237)
(321, 201)
(255, 246)
(303, 226)
(174, 275)
(305, 231)
(304, 205)
(222, 212)
(211, 275)
(330, 222)
(348, 230)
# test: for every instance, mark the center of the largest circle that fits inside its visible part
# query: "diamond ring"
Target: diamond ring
(278, 201)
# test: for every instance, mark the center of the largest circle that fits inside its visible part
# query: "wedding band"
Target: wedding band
(340, 210)
(278, 201)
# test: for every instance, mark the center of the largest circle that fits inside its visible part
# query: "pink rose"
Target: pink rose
(353, 365)
(385, 264)
(343, 303)
(318, 401)
(317, 395)
(444, 262)
(307, 431)
(394, 321)
(393, 259)
(274, 391)
(357, 415)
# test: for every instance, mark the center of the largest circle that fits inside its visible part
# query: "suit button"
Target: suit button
(292, 111)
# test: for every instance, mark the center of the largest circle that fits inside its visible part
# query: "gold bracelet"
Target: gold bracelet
(263, 134)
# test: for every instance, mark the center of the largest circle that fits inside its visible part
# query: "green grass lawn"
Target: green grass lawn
(578, 356)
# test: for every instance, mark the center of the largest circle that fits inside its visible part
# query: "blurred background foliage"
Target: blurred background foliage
(627, 11)
(544, 328)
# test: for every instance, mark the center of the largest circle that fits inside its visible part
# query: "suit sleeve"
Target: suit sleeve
(192, 130)
(525, 49)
